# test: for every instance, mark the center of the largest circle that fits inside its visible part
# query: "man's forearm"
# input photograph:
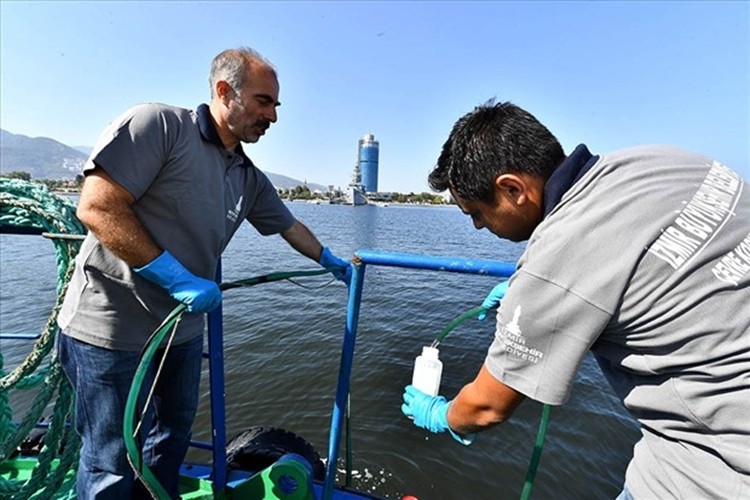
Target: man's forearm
(303, 240)
(104, 208)
(482, 404)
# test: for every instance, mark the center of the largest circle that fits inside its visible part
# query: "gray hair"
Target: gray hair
(231, 66)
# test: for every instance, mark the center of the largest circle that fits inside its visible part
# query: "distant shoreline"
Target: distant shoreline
(380, 205)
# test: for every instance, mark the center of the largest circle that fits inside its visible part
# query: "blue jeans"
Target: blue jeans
(102, 379)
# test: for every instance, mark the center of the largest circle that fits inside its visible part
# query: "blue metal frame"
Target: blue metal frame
(364, 257)
(218, 393)
(374, 257)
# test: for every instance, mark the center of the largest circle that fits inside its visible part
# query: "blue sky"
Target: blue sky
(609, 74)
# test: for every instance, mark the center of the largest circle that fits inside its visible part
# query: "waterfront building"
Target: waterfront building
(363, 187)
(368, 150)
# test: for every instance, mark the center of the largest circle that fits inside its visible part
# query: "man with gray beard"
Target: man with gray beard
(165, 190)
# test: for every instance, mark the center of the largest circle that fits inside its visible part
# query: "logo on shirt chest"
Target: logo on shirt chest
(234, 213)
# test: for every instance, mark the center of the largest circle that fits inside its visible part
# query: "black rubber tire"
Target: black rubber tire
(34, 442)
(32, 445)
(258, 447)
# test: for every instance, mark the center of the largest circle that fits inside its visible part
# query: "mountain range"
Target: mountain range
(45, 158)
(42, 157)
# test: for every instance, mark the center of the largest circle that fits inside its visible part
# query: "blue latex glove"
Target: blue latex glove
(430, 412)
(327, 259)
(493, 299)
(198, 294)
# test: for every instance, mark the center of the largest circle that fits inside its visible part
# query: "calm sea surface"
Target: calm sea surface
(283, 345)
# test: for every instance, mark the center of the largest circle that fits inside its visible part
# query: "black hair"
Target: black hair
(491, 140)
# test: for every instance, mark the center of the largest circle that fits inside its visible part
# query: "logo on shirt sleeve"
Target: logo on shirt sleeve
(515, 342)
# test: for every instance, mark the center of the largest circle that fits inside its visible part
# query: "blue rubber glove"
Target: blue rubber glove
(327, 259)
(493, 299)
(198, 294)
(430, 412)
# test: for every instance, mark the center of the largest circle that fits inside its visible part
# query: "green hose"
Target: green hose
(149, 350)
(543, 423)
(455, 322)
(132, 447)
(267, 278)
(537, 455)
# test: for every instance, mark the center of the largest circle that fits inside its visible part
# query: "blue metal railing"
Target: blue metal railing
(218, 394)
(373, 257)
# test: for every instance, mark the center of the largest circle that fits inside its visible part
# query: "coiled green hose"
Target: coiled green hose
(169, 324)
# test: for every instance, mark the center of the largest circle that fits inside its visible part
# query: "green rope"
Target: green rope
(543, 422)
(26, 204)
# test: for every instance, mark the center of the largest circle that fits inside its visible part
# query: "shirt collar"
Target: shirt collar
(209, 134)
(566, 174)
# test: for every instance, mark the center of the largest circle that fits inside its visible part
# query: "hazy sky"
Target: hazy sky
(609, 74)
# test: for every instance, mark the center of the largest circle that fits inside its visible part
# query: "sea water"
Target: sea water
(589, 439)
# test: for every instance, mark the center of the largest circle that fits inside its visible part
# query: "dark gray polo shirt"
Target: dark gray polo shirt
(191, 196)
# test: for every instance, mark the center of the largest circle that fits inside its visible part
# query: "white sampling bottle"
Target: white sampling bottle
(427, 371)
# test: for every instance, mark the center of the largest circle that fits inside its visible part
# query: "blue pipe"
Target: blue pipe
(218, 395)
(345, 371)
(450, 264)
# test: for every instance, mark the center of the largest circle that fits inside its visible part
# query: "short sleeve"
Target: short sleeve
(269, 215)
(543, 334)
(133, 149)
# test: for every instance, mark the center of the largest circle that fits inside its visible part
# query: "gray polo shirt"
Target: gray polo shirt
(191, 196)
(645, 260)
